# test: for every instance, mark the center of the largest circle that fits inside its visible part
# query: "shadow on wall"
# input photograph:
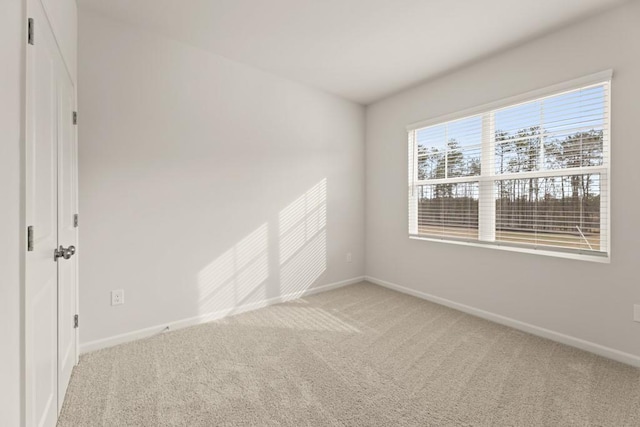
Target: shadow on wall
(242, 275)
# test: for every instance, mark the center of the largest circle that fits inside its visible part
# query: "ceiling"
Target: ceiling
(362, 50)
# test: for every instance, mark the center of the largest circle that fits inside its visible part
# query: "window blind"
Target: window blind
(531, 174)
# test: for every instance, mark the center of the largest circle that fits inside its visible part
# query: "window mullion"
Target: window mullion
(446, 152)
(487, 204)
(605, 178)
(413, 177)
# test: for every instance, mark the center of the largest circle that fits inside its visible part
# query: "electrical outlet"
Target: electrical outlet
(348, 256)
(117, 297)
(636, 312)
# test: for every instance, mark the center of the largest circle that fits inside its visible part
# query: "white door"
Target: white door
(49, 347)
(67, 235)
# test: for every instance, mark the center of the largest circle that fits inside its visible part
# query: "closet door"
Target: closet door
(67, 234)
(51, 200)
(41, 271)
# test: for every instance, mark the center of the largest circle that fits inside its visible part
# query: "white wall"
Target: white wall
(586, 300)
(190, 169)
(12, 29)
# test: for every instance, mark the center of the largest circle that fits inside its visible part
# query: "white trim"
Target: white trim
(600, 350)
(607, 149)
(600, 77)
(208, 317)
(486, 200)
(557, 253)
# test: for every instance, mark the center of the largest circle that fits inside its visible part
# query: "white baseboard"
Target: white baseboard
(610, 353)
(208, 317)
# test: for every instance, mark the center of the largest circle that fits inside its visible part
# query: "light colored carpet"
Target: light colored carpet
(357, 356)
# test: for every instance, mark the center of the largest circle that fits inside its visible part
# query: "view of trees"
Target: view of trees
(456, 161)
(554, 204)
(557, 204)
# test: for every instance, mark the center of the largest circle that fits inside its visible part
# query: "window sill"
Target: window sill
(556, 254)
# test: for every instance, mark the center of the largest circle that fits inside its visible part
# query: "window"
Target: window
(530, 173)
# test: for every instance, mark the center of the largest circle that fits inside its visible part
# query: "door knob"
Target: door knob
(61, 252)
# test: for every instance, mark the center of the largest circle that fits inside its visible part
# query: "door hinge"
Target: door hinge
(75, 321)
(30, 238)
(75, 220)
(75, 117)
(30, 31)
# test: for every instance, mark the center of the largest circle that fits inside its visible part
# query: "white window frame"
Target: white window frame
(486, 225)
